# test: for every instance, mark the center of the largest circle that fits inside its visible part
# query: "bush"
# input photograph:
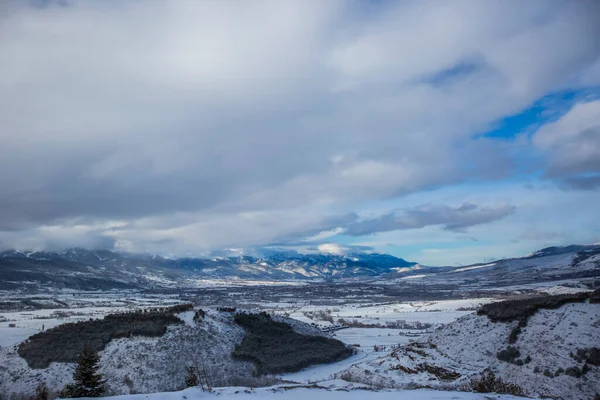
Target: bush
(488, 383)
(274, 346)
(199, 314)
(191, 377)
(442, 374)
(510, 355)
(575, 372)
(65, 342)
(589, 356)
(585, 369)
(41, 392)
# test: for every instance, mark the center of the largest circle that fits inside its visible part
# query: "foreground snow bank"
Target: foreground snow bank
(302, 393)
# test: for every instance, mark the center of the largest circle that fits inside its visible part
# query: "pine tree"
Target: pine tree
(88, 381)
(191, 379)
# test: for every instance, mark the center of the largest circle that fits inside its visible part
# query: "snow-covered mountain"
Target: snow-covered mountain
(545, 265)
(103, 269)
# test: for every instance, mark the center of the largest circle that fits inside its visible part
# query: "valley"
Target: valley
(403, 331)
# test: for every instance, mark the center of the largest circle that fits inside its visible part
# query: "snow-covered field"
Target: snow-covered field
(67, 306)
(466, 343)
(300, 393)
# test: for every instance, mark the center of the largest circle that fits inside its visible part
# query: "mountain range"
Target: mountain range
(79, 268)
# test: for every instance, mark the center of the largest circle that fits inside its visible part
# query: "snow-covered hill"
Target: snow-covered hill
(452, 355)
(147, 365)
(546, 265)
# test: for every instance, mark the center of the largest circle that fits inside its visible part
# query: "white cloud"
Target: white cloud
(217, 124)
(331, 248)
(573, 143)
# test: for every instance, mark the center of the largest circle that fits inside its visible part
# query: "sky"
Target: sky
(443, 132)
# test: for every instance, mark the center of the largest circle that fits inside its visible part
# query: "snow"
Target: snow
(302, 393)
(465, 343)
(469, 345)
(187, 317)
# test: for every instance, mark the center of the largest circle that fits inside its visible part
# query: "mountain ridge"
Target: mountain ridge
(77, 267)
(104, 269)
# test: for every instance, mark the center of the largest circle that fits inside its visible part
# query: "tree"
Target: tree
(191, 378)
(88, 382)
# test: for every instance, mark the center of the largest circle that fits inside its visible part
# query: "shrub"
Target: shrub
(510, 355)
(191, 377)
(590, 356)
(198, 315)
(41, 392)
(274, 346)
(585, 369)
(575, 372)
(489, 383)
(442, 374)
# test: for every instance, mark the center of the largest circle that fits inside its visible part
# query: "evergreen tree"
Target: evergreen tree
(191, 378)
(88, 381)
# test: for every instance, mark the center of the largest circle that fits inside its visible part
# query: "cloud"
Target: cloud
(330, 248)
(451, 218)
(200, 125)
(534, 234)
(572, 144)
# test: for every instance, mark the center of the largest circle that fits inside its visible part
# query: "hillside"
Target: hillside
(142, 364)
(555, 353)
(546, 265)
